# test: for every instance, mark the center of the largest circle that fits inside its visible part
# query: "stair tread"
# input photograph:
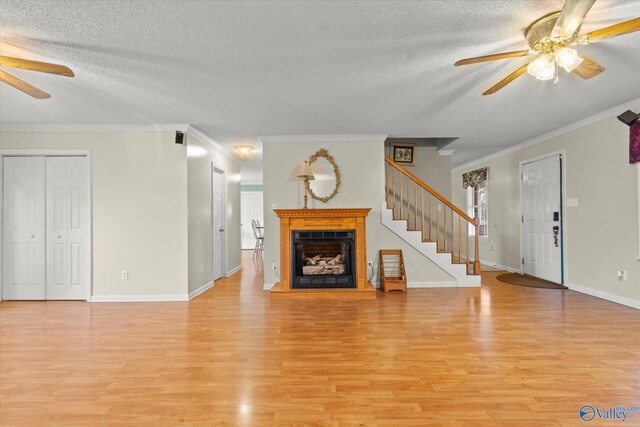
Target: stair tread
(426, 238)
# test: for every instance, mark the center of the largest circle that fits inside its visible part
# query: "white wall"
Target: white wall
(200, 158)
(139, 182)
(602, 231)
(361, 167)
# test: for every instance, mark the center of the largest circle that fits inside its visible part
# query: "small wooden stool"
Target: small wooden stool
(392, 274)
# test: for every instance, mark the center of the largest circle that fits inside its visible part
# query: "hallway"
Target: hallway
(496, 355)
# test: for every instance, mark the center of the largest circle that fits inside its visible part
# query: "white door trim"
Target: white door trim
(54, 153)
(563, 198)
(223, 220)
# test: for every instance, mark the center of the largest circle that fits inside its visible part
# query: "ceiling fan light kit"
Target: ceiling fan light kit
(550, 37)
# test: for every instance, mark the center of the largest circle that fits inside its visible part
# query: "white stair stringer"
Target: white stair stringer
(428, 249)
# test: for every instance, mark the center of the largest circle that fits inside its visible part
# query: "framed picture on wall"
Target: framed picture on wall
(403, 154)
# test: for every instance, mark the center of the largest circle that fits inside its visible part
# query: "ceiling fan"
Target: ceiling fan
(42, 67)
(550, 37)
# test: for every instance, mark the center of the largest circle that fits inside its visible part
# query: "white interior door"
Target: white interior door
(542, 219)
(251, 208)
(217, 224)
(68, 274)
(23, 219)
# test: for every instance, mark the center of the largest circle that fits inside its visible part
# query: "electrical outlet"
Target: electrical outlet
(274, 266)
(124, 275)
(201, 268)
(622, 274)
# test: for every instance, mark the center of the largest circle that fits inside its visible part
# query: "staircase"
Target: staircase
(431, 224)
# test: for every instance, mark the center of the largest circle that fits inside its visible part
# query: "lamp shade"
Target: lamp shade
(305, 171)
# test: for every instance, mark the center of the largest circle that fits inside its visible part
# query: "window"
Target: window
(477, 204)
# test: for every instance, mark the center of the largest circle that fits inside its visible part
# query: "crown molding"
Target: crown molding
(102, 127)
(611, 112)
(194, 131)
(323, 138)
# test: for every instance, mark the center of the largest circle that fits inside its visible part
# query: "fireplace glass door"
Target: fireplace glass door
(323, 259)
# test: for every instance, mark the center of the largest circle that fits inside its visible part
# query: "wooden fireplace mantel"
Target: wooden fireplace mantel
(323, 219)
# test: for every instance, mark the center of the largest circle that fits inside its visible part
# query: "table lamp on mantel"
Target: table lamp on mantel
(307, 175)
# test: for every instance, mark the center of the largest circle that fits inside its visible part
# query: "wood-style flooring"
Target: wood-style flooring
(501, 355)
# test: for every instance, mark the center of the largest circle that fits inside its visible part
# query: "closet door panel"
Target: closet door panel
(23, 229)
(67, 228)
(57, 214)
(78, 229)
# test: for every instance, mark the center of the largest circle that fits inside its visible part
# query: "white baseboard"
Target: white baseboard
(432, 285)
(268, 286)
(200, 290)
(234, 270)
(501, 267)
(138, 298)
(605, 295)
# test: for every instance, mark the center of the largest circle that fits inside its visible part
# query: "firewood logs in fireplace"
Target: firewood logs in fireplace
(319, 265)
(320, 260)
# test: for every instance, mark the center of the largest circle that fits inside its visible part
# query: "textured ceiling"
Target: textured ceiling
(246, 69)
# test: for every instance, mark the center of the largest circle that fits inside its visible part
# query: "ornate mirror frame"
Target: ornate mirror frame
(323, 153)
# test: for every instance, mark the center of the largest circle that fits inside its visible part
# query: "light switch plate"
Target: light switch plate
(572, 202)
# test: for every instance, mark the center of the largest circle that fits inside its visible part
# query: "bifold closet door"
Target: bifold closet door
(67, 213)
(23, 228)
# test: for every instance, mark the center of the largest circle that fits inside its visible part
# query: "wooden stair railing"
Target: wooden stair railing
(449, 228)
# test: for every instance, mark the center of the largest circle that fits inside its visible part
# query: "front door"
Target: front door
(542, 218)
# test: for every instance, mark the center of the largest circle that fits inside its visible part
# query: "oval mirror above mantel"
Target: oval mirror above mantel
(326, 176)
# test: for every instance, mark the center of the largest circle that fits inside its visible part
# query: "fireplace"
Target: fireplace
(323, 254)
(323, 259)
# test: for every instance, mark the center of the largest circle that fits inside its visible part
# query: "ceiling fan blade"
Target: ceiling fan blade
(588, 68)
(614, 30)
(22, 85)
(570, 19)
(502, 83)
(43, 67)
(493, 57)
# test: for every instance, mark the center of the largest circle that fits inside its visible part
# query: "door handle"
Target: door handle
(221, 230)
(33, 237)
(59, 237)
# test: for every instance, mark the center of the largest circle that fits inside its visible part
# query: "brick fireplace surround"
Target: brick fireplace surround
(323, 219)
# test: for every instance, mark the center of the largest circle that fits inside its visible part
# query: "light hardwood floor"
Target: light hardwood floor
(499, 355)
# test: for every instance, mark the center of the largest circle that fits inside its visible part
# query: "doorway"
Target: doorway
(218, 210)
(46, 229)
(541, 192)
(251, 208)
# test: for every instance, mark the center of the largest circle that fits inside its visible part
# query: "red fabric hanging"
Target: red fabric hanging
(634, 142)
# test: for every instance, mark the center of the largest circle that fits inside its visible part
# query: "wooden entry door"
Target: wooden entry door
(542, 219)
